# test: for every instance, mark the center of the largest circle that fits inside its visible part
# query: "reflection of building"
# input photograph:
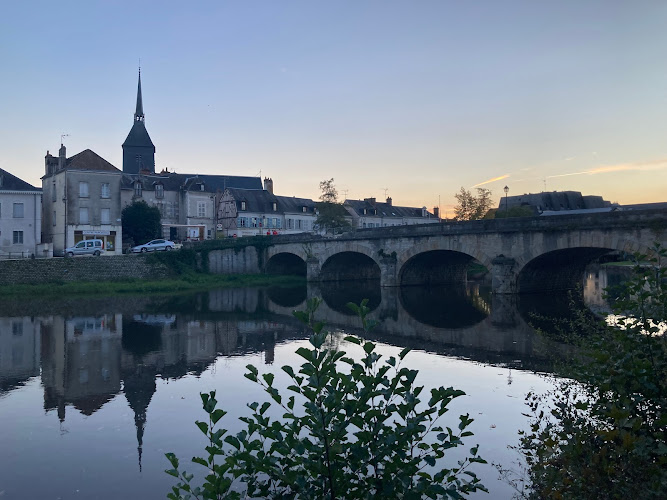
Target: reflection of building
(81, 362)
(19, 351)
(81, 201)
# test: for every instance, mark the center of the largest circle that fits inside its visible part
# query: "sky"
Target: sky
(410, 99)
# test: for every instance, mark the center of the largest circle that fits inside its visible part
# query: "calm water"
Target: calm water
(94, 392)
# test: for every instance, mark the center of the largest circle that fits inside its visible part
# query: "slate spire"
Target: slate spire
(139, 113)
(138, 149)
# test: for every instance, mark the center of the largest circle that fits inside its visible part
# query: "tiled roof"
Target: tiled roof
(9, 182)
(255, 200)
(89, 160)
(381, 209)
(291, 204)
(188, 182)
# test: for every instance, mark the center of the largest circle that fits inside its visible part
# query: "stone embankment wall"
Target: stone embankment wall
(111, 268)
(245, 260)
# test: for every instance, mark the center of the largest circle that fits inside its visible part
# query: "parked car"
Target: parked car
(153, 246)
(86, 247)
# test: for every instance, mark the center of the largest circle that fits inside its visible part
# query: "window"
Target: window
(241, 222)
(274, 206)
(304, 209)
(159, 191)
(105, 216)
(275, 222)
(83, 190)
(138, 189)
(54, 217)
(298, 223)
(201, 209)
(18, 238)
(243, 205)
(53, 192)
(106, 191)
(18, 210)
(254, 222)
(83, 215)
(279, 223)
(17, 329)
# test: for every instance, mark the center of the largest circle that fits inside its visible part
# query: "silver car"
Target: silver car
(153, 246)
(86, 247)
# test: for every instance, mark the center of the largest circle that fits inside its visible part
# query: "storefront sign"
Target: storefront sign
(96, 232)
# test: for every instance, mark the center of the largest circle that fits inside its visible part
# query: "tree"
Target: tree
(515, 211)
(601, 432)
(352, 433)
(470, 207)
(141, 222)
(331, 215)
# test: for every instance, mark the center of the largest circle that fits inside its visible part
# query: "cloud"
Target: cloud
(623, 167)
(500, 178)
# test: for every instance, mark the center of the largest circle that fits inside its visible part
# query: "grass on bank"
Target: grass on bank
(183, 283)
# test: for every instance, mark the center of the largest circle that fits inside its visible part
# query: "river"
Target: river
(94, 391)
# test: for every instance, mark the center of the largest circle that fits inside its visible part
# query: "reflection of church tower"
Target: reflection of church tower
(138, 149)
(139, 389)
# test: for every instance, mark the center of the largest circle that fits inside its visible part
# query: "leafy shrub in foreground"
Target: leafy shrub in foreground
(357, 432)
(601, 432)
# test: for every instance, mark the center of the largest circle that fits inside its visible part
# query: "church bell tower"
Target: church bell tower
(138, 149)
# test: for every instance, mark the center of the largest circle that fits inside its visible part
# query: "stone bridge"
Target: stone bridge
(523, 255)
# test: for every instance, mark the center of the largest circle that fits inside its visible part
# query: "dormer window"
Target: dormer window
(304, 209)
(201, 187)
(138, 189)
(365, 211)
(274, 206)
(243, 205)
(159, 191)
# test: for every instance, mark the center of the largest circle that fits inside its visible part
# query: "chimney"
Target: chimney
(62, 157)
(436, 212)
(268, 184)
(389, 200)
(49, 161)
(370, 200)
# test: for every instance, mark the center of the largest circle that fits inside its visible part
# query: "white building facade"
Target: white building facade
(20, 217)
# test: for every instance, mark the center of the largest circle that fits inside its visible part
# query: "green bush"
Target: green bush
(349, 429)
(601, 432)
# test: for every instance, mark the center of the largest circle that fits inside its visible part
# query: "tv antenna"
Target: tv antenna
(62, 136)
(385, 192)
(345, 191)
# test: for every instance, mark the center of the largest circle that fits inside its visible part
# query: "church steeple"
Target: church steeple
(138, 149)
(139, 113)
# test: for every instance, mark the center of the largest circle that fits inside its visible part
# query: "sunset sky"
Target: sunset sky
(413, 98)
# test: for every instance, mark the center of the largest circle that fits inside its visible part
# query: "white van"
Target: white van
(86, 247)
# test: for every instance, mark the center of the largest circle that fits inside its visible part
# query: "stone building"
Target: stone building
(81, 200)
(20, 217)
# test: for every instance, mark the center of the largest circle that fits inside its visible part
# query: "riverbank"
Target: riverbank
(182, 283)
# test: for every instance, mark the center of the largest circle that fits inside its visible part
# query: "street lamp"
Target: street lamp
(507, 190)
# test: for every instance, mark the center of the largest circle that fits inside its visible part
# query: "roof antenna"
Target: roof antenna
(62, 136)
(385, 192)
(345, 191)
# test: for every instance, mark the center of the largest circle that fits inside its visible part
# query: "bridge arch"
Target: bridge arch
(286, 263)
(437, 264)
(562, 267)
(352, 262)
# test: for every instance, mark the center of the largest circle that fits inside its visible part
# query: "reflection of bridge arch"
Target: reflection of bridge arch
(500, 336)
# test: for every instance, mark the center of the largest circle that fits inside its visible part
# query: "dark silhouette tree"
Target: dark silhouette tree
(331, 215)
(141, 222)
